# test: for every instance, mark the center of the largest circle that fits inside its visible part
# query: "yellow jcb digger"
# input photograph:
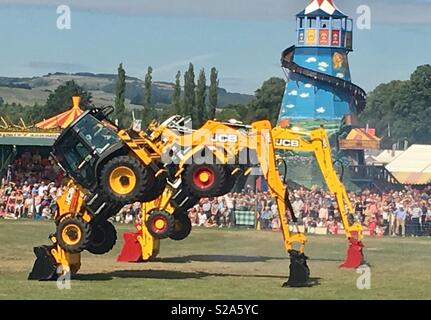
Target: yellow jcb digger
(225, 143)
(110, 167)
(317, 142)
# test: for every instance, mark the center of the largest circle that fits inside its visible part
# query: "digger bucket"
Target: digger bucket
(45, 266)
(355, 255)
(131, 251)
(299, 274)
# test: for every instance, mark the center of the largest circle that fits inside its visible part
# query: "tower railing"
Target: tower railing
(373, 173)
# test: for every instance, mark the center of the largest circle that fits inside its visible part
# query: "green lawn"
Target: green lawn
(219, 264)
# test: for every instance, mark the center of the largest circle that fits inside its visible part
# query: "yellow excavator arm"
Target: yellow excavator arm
(317, 142)
(265, 150)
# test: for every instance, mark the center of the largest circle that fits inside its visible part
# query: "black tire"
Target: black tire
(211, 188)
(184, 200)
(190, 203)
(73, 234)
(104, 237)
(160, 232)
(182, 226)
(156, 191)
(230, 181)
(144, 180)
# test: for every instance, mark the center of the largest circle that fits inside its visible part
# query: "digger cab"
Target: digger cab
(84, 145)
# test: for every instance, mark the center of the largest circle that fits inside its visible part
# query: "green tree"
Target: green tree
(120, 95)
(213, 93)
(176, 99)
(267, 102)
(147, 92)
(419, 103)
(201, 88)
(399, 110)
(232, 111)
(189, 91)
(61, 100)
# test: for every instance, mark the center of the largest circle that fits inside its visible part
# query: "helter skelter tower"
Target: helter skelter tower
(319, 88)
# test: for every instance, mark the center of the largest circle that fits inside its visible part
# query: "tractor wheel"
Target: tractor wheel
(160, 224)
(205, 180)
(125, 180)
(230, 182)
(184, 200)
(104, 237)
(73, 234)
(182, 226)
(156, 191)
(190, 203)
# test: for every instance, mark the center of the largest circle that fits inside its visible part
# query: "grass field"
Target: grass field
(219, 264)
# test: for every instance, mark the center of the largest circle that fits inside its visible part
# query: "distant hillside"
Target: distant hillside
(28, 91)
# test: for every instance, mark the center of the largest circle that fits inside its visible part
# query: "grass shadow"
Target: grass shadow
(170, 274)
(312, 282)
(217, 258)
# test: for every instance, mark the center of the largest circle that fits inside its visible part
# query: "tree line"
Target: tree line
(399, 110)
(196, 98)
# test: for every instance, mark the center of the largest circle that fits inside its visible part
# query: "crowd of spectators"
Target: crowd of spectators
(30, 188)
(406, 212)
(37, 183)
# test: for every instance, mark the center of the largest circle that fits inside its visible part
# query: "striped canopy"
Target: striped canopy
(63, 120)
(413, 167)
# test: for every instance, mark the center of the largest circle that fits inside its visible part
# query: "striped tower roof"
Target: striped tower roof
(63, 120)
(327, 6)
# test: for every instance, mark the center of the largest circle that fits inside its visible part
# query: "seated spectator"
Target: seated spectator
(202, 217)
(193, 216)
(210, 223)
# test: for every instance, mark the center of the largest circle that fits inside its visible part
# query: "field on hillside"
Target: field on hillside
(219, 264)
(30, 97)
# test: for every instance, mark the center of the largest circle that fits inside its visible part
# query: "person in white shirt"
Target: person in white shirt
(202, 218)
(416, 212)
(297, 206)
(42, 188)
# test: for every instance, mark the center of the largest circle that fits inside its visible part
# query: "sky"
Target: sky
(243, 39)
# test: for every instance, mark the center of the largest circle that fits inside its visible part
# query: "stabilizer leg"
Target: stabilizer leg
(52, 262)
